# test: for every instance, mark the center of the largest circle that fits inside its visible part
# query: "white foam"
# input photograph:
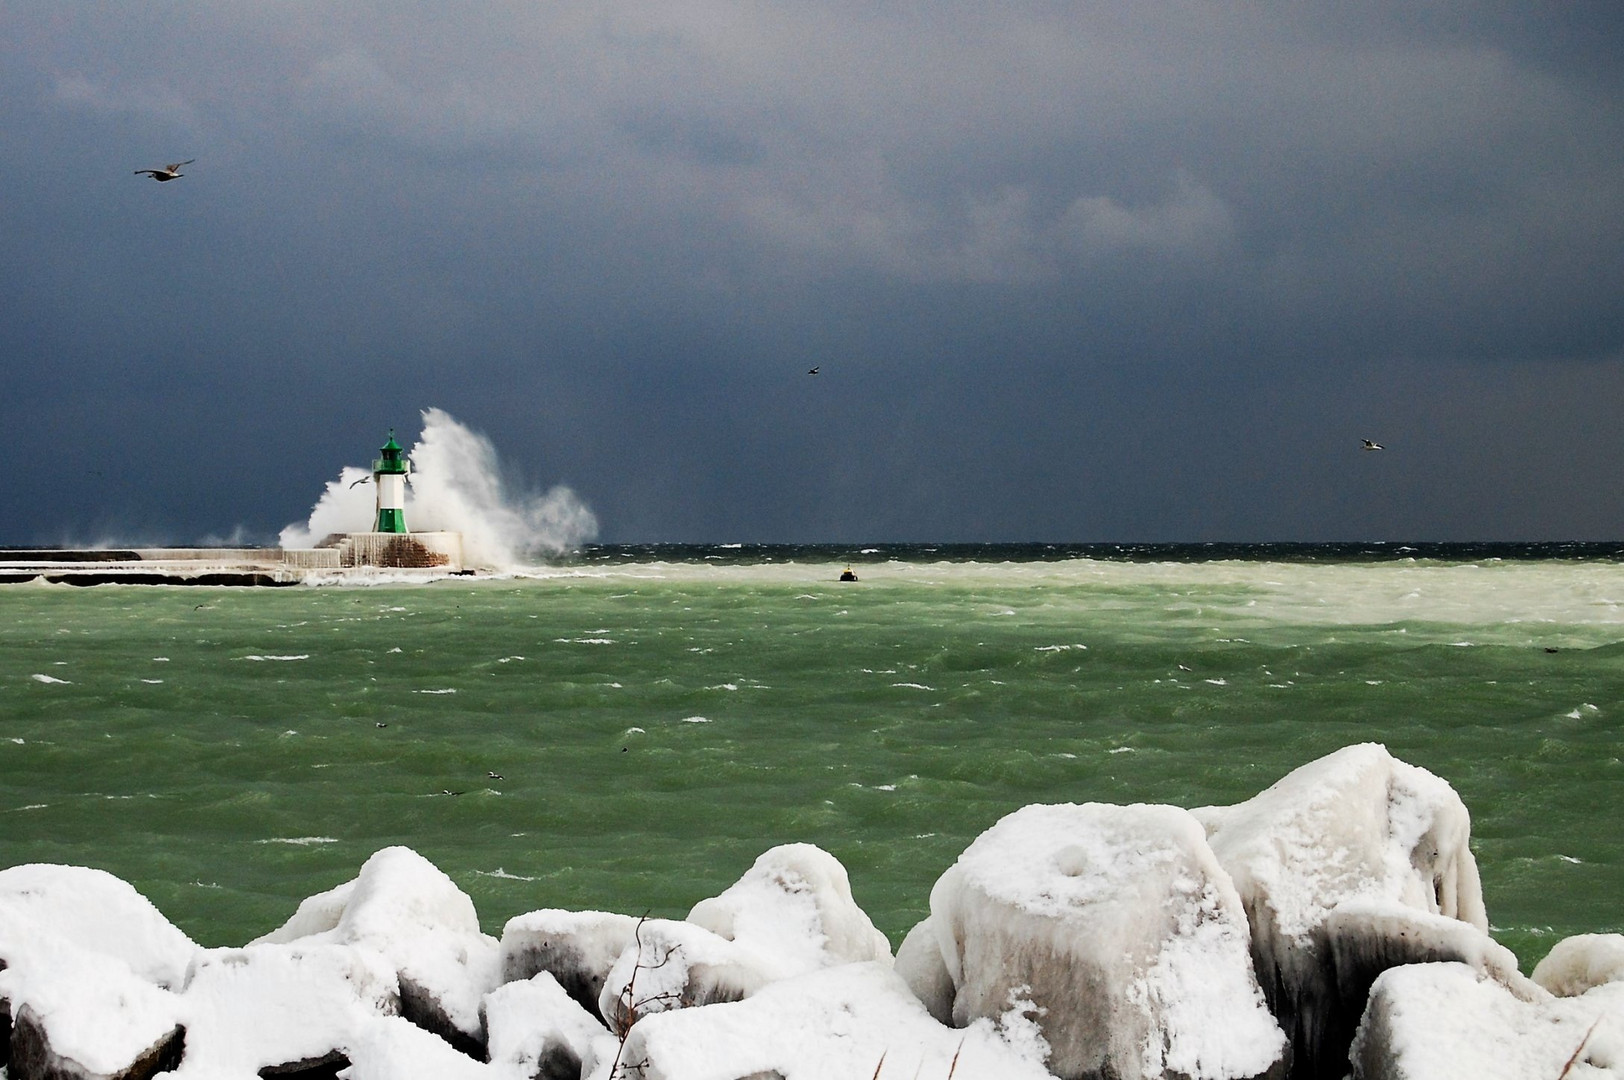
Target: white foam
(457, 484)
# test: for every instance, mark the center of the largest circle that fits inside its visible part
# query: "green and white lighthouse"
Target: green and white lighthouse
(389, 478)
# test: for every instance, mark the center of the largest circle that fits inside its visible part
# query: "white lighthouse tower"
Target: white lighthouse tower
(389, 480)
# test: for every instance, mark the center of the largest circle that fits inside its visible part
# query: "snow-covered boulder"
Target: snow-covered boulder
(1117, 930)
(281, 1008)
(794, 906)
(404, 908)
(1360, 831)
(1577, 964)
(97, 912)
(791, 913)
(82, 1015)
(538, 1030)
(576, 947)
(1451, 1022)
(839, 1023)
(676, 965)
(87, 966)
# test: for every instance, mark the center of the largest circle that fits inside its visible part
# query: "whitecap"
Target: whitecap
(445, 691)
(504, 875)
(694, 720)
(913, 686)
(18, 741)
(261, 656)
(1120, 750)
(1217, 682)
(51, 679)
(1058, 648)
(299, 841)
(153, 682)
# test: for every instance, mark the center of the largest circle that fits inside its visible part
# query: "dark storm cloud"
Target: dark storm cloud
(1070, 271)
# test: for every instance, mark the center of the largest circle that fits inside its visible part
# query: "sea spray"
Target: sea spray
(457, 486)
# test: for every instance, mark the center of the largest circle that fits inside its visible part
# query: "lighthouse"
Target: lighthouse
(389, 478)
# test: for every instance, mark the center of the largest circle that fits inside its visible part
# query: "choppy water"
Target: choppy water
(659, 717)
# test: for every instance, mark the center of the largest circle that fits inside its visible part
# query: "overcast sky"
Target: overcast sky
(1095, 271)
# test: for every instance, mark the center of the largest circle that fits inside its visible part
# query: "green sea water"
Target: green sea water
(655, 724)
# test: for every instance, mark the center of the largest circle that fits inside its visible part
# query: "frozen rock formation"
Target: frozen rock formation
(87, 962)
(539, 1031)
(1360, 835)
(1450, 1022)
(1577, 964)
(1115, 928)
(576, 947)
(281, 1007)
(919, 962)
(404, 908)
(791, 913)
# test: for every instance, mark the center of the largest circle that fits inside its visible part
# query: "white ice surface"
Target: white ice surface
(272, 1004)
(407, 910)
(1576, 964)
(1357, 823)
(836, 1023)
(1449, 1022)
(97, 912)
(531, 1018)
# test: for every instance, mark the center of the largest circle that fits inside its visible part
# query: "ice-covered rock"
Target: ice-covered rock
(1579, 963)
(794, 906)
(1357, 827)
(919, 962)
(539, 1030)
(405, 909)
(791, 913)
(576, 947)
(839, 1023)
(281, 1007)
(676, 965)
(82, 1015)
(1117, 932)
(1451, 1022)
(99, 913)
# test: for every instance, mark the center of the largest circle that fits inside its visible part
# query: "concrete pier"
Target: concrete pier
(431, 552)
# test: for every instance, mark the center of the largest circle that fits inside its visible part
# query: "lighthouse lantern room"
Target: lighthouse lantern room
(389, 479)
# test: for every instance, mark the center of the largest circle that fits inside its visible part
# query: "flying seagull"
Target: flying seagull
(814, 371)
(1373, 445)
(168, 172)
(363, 480)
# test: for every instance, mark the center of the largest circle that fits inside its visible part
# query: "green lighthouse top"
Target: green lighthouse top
(391, 462)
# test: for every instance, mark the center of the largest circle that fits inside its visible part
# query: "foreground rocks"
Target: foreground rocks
(1331, 926)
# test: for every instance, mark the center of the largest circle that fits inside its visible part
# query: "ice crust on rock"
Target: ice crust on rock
(919, 962)
(835, 1023)
(539, 1030)
(1357, 827)
(407, 910)
(791, 913)
(1450, 1022)
(273, 1005)
(1579, 963)
(1119, 927)
(87, 966)
(97, 912)
(794, 904)
(576, 947)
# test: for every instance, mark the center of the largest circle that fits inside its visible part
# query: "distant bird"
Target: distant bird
(1373, 445)
(380, 723)
(363, 480)
(814, 371)
(494, 775)
(168, 172)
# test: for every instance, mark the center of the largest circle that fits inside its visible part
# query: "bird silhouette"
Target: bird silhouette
(814, 371)
(1373, 445)
(168, 172)
(363, 480)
